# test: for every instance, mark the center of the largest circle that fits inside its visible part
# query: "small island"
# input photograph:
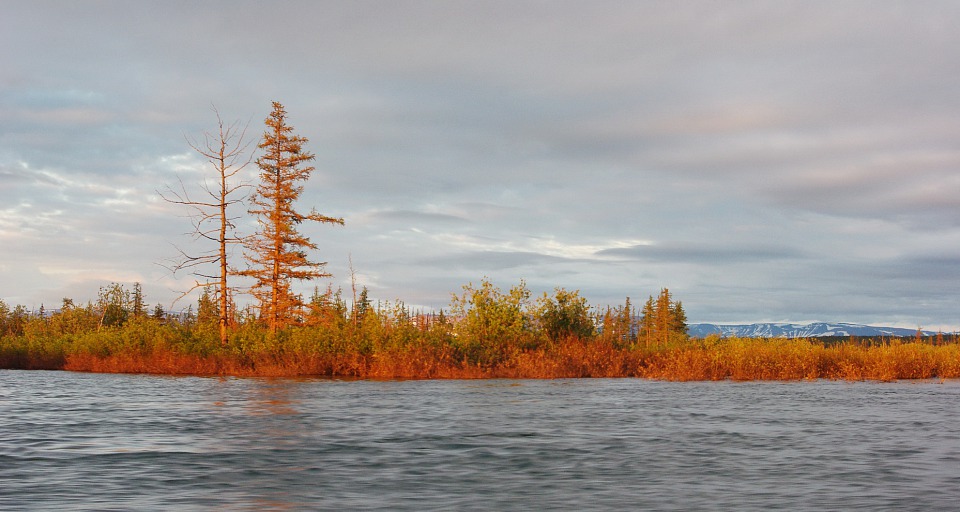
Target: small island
(485, 333)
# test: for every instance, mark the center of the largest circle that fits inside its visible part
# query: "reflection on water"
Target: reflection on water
(274, 397)
(123, 442)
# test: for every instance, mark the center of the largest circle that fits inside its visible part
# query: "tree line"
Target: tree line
(482, 317)
(486, 332)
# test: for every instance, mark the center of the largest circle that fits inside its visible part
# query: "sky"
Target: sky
(765, 161)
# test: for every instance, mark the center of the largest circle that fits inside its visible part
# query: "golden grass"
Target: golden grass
(783, 359)
(712, 359)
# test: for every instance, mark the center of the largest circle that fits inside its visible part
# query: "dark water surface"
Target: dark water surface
(71, 441)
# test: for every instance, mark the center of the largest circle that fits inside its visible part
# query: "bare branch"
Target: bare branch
(226, 151)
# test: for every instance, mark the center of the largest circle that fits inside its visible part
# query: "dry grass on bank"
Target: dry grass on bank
(738, 359)
(783, 359)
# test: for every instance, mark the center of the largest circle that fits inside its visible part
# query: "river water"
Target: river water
(73, 441)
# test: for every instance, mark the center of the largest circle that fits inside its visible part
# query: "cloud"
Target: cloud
(919, 188)
(703, 254)
(761, 160)
(486, 261)
(412, 218)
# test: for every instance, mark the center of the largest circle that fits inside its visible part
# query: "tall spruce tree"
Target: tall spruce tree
(277, 252)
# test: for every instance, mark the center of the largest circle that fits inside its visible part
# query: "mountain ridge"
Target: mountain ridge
(791, 330)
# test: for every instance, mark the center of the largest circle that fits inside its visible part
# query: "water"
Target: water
(128, 442)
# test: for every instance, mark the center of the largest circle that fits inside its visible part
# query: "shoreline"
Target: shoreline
(734, 359)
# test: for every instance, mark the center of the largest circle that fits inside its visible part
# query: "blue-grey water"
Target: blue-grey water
(73, 441)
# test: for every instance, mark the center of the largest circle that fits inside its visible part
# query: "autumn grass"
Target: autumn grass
(738, 359)
(801, 359)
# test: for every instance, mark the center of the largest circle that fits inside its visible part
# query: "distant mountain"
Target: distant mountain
(814, 330)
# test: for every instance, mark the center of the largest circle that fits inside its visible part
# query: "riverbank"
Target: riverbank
(711, 359)
(488, 333)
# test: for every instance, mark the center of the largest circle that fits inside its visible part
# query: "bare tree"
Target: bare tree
(353, 287)
(226, 151)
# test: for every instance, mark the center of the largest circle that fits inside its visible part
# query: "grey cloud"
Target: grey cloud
(415, 218)
(703, 253)
(909, 276)
(921, 193)
(16, 173)
(481, 261)
(786, 143)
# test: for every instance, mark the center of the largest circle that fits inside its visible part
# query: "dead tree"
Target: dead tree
(226, 151)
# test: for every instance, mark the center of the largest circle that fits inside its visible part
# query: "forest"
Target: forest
(485, 332)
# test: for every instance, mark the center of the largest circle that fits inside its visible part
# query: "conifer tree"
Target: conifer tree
(647, 326)
(627, 324)
(206, 308)
(362, 306)
(139, 309)
(277, 252)
(662, 319)
(159, 314)
(678, 319)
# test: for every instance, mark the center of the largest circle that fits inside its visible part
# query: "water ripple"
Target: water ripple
(122, 442)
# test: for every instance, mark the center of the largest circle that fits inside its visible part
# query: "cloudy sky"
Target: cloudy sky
(765, 161)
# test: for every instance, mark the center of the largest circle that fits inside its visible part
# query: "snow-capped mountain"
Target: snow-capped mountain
(814, 330)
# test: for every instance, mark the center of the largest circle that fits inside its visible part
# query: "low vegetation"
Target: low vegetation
(487, 333)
